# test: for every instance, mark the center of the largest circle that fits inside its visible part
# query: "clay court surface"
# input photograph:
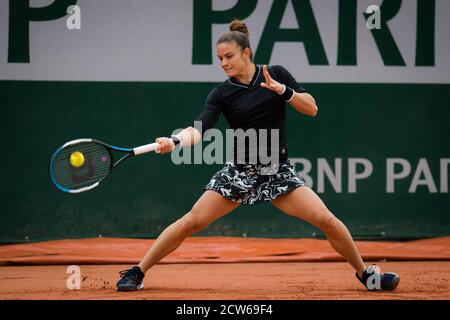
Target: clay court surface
(229, 281)
(254, 269)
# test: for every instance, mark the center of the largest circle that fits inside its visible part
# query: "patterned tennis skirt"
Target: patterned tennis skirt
(252, 183)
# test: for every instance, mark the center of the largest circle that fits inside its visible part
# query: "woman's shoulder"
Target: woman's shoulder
(275, 66)
(216, 92)
(277, 69)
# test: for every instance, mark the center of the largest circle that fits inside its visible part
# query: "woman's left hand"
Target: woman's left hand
(270, 83)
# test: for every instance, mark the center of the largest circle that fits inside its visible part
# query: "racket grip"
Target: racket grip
(145, 148)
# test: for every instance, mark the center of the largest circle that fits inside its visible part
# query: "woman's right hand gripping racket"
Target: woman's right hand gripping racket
(80, 165)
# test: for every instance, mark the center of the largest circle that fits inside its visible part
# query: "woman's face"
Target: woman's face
(233, 60)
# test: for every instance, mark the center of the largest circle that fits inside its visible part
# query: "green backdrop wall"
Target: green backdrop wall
(372, 121)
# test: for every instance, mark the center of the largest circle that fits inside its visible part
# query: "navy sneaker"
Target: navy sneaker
(375, 280)
(131, 280)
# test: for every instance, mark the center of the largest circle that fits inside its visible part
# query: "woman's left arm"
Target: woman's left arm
(302, 102)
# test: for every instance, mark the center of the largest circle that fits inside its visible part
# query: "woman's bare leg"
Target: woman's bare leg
(305, 204)
(209, 207)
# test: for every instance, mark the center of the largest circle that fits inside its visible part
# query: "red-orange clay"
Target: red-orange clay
(220, 268)
(285, 280)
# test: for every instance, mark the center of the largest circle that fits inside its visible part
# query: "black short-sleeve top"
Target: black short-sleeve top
(251, 107)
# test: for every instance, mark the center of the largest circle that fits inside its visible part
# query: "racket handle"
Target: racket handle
(145, 148)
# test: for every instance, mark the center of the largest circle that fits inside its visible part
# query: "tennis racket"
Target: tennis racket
(80, 165)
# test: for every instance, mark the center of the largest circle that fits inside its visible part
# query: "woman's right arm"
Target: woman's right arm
(188, 137)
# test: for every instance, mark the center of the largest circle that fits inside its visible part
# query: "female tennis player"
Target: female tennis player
(253, 97)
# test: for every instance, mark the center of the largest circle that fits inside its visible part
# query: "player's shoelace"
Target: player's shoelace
(129, 273)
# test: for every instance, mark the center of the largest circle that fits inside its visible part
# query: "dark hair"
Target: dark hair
(239, 34)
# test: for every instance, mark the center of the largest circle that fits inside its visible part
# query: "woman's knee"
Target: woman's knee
(327, 221)
(191, 223)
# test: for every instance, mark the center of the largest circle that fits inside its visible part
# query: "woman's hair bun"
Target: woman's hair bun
(238, 25)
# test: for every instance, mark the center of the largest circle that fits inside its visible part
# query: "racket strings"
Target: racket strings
(95, 167)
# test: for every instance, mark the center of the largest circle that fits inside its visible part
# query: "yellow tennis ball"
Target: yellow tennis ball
(77, 159)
